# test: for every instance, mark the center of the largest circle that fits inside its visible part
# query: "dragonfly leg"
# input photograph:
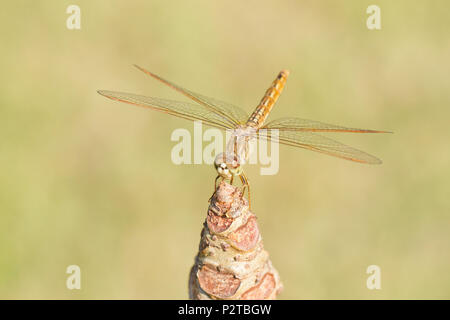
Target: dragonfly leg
(215, 187)
(215, 182)
(245, 185)
(231, 179)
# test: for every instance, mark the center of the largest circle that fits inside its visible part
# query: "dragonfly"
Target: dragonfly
(291, 131)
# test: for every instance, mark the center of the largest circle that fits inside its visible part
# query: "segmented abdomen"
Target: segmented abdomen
(268, 101)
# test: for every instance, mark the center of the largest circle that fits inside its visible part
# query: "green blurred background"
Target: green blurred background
(88, 181)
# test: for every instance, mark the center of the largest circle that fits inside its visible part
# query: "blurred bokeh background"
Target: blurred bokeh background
(88, 181)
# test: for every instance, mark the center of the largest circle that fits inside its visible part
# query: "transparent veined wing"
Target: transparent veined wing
(298, 124)
(184, 110)
(318, 143)
(235, 116)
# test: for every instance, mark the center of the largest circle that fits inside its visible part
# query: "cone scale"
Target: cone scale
(231, 263)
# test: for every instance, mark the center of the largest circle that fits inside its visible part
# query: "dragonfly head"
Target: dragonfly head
(227, 165)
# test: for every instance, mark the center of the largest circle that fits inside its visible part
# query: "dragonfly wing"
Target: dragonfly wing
(184, 110)
(233, 115)
(298, 124)
(318, 143)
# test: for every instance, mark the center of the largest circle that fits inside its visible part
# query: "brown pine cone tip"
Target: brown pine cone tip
(231, 262)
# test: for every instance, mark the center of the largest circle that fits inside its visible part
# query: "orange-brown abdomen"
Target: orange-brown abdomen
(268, 101)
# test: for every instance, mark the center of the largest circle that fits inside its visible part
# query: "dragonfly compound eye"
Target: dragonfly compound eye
(226, 165)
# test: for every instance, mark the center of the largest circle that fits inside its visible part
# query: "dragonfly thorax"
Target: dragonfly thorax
(238, 143)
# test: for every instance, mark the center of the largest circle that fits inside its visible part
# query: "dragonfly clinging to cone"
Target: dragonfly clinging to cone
(297, 132)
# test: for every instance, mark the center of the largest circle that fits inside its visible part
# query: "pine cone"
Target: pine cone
(231, 262)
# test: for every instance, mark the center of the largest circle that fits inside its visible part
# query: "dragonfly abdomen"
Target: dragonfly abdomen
(268, 101)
